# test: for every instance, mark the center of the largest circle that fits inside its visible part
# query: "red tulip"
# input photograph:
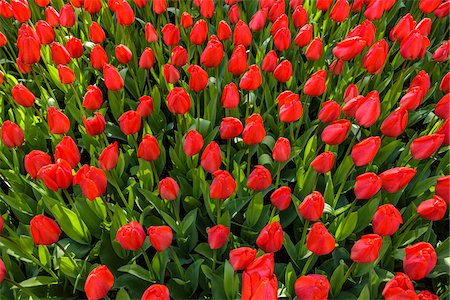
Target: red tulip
(271, 237)
(424, 26)
(55, 176)
(156, 292)
(323, 4)
(230, 96)
(22, 95)
(74, 47)
(403, 28)
(2, 266)
(210, 159)
(442, 188)
(223, 185)
(234, 14)
(441, 53)
(367, 185)
(330, 111)
(276, 10)
(375, 58)
(281, 22)
(395, 179)
(230, 128)
(51, 16)
(444, 129)
(168, 189)
(98, 283)
(96, 33)
(223, 31)
(240, 258)
(150, 33)
(242, 34)
(316, 84)
(349, 48)
(366, 30)
(21, 10)
(92, 181)
(375, 9)
(109, 157)
(238, 61)
(300, 16)
(442, 108)
(66, 75)
(258, 20)
(124, 13)
(159, 6)
(58, 122)
(213, 53)
(186, 20)
(422, 79)
(255, 286)
(199, 32)
(270, 62)
(149, 148)
(3, 39)
(304, 36)
(147, 59)
(428, 6)
(45, 32)
(312, 286)
(399, 287)
(60, 55)
(171, 34)
(95, 125)
(67, 16)
(171, 74)
(414, 45)
(320, 241)
(193, 143)
(198, 78)
(432, 209)
(395, 123)
(336, 132)
(442, 10)
(281, 198)
(351, 106)
(67, 150)
(131, 236)
(425, 146)
(283, 71)
(366, 249)
(130, 122)
(207, 8)
(92, 6)
(218, 236)
(113, 80)
(282, 150)
(314, 50)
(350, 92)
(178, 101)
(93, 98)
(312, 206)
(254, 132)
(323, 163)
(282, 39)
(290, 107)
(386, 220)
(44, 230)
(34, 161)
(179, 56)
(340, 11)
(6, 10)
(12, 134)
(420, 259)
(160, 237)
(427, 295)
(259, 179)
(364, 152)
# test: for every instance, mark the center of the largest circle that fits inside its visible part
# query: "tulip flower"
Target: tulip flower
(364, 152)
(2, 270)
(34, 161)
(238, 61)
(330, 111)
(92, 6)
(159, 6)
(316, 84)
(74, 47)
(171, 74)
(271, 237)
(240, 258)
(395, 179)
(259, 179)
(375, 58)
(199, 32)
(198, 78)
(222, 186)
(349, 48)
(366, 30)
(67, 150)
(44, 230)
(442, 10)
(283, 71)
(425, 146)
(156, 291)
(44, 31)
(319, 240)
(213, 53)
(168, 189)
(51, 16)
(58, 122)
(242, 34)
(428, 6)
(403, 28)
(367, 185)
(259, 287)
(314, 50)
(124, 13)
(193, 143)
(131, 236)
(422, 79)
(67, 16)
(252, 79)
(304, 36)
(254, 131)
(123, 54)
(312, 286)
(179, 56)
(92, 181)
(366, 249)
(281, 197)
(211, 159)
(186, 20)
(109, 157)
(276, 10)
(113, 80)
(323, 163)
(312, 206)
(171, 34)
(300, 16)
(148, 148)
(400, 286)
(93, 99)
(414, 45)
(150, 33)
(66, 75)
(441, 53)
(234, 14)
(282, 150)
(218, 236)
(12, 134)
(22, 95)
(178, 101)
(147, 59)
(98, 57)
(258, 20)
(432, 209)
(96, 33)
(395, 123)
(270, 62)
(340, 11)
(98, 283)
(56, 176)
(130, 122)
(442, 188)
(386, 220)
(427, 295)
(160, 237)
(336, 132)
(223, 31)
(420, 259)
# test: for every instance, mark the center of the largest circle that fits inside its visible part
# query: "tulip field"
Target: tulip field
(224, 149)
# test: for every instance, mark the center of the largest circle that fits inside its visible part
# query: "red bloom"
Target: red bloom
(364, 152)
(198, 78)
(109, 157)
(238, 61)
(160, 237)
(367, 185)
(130, 122)
(258, 20)
(281, 197)
(427, 295)
(432, 209)
(223, 185)
(414, 45)
(58, 122)
(316, 84)
(186, 20)
(67, 150)
(98, 283)
(230, 96)
(131, 236)
(442, 188)
(218, 236)
(395, 123)
(95, 125)
(210, 159)
(403, 28)
(22, 95)
(271, 237)
(242, 34)
(148, 148)
(304, 36)
(282, 39)
(66, 75)
(323, 163)
(336, 132)
(124, 13)
(340, 11)
(320, 241)
(252, 79)
(193, 143)
(12, 134)
(441, 53)
(168, 189)
(171, 34)
(283, 71)
(223, 31)
(282, 150)
(199, 32)
(330, 111)
(159, 6)
(312, 206)
(92, 181)
(349, 48)
(259, 179)
(171, 74)
(312, 286)
(74, 47)
(240, 258)
(300, 16)
(425, 146)
(156, 292)
(376, 57)
(123, 54)
(178, 101)
(147, 59)
(150, 33)
(44, 31)
(113, 80)
(44, 230)
(67, 16)
(35, 160)
(428, 6)
(314, 50)
(420, 259)
(366, 249)
(179, 56)
(386, 220)
(400, 286)
(213, 53)
(254, 132)
(395, 179)
(207, 8)
(442, 108)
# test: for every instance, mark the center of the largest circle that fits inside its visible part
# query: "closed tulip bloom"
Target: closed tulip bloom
(281, 22)
(386, 220)
(171, 74)
(259, 179)
(149, 148)
(422, 79)
(259, 287)
(207, 8)
(420, 259)
(109, 157)
(211, 159)
(199, 32)
(283, 71)
(270, 62)
(276, 10)
(193, 143)
(179, 56)
(374, 9)
(427, 295)
(336, 67)
(123, 54)
(403, 28)
(230, 96)
(45, 32)
(428, 6)
(444, 129)
(312, 206)
(198, 78)
(241, 257)
(330, 111)
(223, 185)
(92, 6)
(3, 39)
(366, 30)
(67, 16)
(282, 39)
(323, 4)
(147, 59)
(282, 150)
(51, 16)
(223, 31)
(168, 189)
(242, 34)
(443, 9)
(58, 122)
(22, 67)
(414, 45)
(156, 292)
(312, 286)
(6, 10)
(74, 47)
(413, 98)
(281, 197)
(160, 237)
(130, 122)
(213, 53)
(254, 132)
(425, 146)
(442, 188)
(252, 79)
(66, 75)
(22, 95)
(113, 80)
(12, 134)
(124, 14)
(340, 11)
(395, 123)
(95, 125)
(270, 239)
(238, 61)
(159, 6)
(364, 152)
(432, 209)
(323, 163)
(366, 249)
(315, 85)
(304, 36)
(56, 176)
(300, 16)
(92, 181)
(336, 132)
(44, 230)
(230, 128)
(442, 108)
(351, 106)
(93, 99)
(98, 283)
(96, 33)
(400, 286)
(21, 10)
(67, 150)
(395, 179)
(171, 34)
(178, 101)
(375, 58)
(290, 106)
(349, 48)
(218, 236)
(441, 53)
(314, 50)
(350, 92)
(150, 33)
(258, 20)
(29, 50)
(34, 161)
(186, 20)
(319, 240)
(367, 185)
(131, 236)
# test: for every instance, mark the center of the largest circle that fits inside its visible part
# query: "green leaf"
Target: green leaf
(254, 209)
(73, 226)
(347, 226)
(136, 270)
(230, 281)
(38, 281)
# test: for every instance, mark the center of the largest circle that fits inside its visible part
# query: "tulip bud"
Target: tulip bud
(319, 240)
(67, 16)
(233, 14)
(316, 84)
(193, 143)
(150, 33)
(238, 61)
(276, 10)
(403, 27)
(145, 107)
(6, 10)
(420, 259)
(442, 10)
(168, 189)
(258, 20)
(92, 6)
(210, 159)
(109, 157)
(336, 132)
(96, 33)
(44, 230)
(364, 152)
(55, 176)
(242, 34)
(366, 30)
(160, 237)
(270, 62)
(282, 150)
(113, 80)
(350, 92)
(323, 4)
(424, 26)
(147, 59)
(131, 236)
(2, 267)
(312, 286)
(425, 146)
(386, 220)
(400, 286)
(395, 179)
(171, 34)
(444, 129)
(282, 39)
(230, 128)
(442, 188)
(395, 123)
(375, 58)
(199, 32)
(259, 179)
(123, 54)
(67, 150)
(66, 75)
(441, 53)
(330, 111)
(74, 47)
(432, 209)
(96, 125)
(171, 74)
(22, 95)
(218, 236)
(271, 237)
(340, 11)
(349, 48)
(156, 291)
(98, 283)
(92, 181)
(312, 206)
(148, 148)
(230, 96)
(186, 20)
(130, 122)
(422, 79)
(290, 106)
(58, 122)
(367, 185)
(240, 258)
(223, 31)
(442, 108)
(178, 101)
(198, 78)
(51, 16)
(314, 50)
(300, 16)
(283, 71)
(323, 163)
(428, 6)
(427, 295)
(223, 185)
(414, 45)
(281, 198)
(34, 161)
(413, 98)
(366, 249)
(21, 10)
(254, 132)
(12, 134)
(159, 6)
(124, 13)
(45, 32)
(179, 56)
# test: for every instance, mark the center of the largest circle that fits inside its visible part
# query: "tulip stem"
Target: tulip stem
(198, 111)
(305, 229)
(228, 154)
(277, 180)
(25, 290)
(177, 262)
(249, 160)
(219, 210)
(155, 172)
(347, 274)
(214, 258)
(307, 264)
(272, 214)
(176, 210)
(66, 253)
(149, 265)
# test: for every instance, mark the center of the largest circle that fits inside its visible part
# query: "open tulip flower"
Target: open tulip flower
(293, 149)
